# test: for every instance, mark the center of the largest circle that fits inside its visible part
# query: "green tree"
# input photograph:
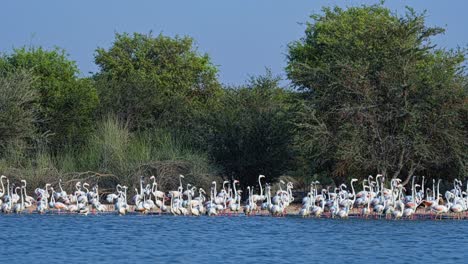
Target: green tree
(66, 103)
(17, 109)
(155, 81)
(250, 133)
(380, 98)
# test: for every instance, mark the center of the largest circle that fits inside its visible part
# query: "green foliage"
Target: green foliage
(113, 155)
(374, 96)
(120, 156)
(155, 81)
(17, 110)
(250, 133)
(378, 97)
(66, 104)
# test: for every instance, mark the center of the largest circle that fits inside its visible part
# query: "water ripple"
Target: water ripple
(162, 239)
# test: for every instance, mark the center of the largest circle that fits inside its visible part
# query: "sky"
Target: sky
(242, 37)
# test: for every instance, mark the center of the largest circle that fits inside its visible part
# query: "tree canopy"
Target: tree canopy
(17, 109)
(154, 81)
(379, 96)
(250, 134)
(66, 103)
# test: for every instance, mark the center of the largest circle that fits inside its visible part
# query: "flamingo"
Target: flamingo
(7, 206)
(235, 203)
(366, 210)
(2, 191)
(56, 205)
(248, 208)
(154, 189)
(42, 199)
(399, 208)
(110, 198)
(201, 200)
(211, 206)
(14, 196)
(398, 212)
(344, 212)
(305, 210)
(267, 205)
(259, 198)
(218, 198)
(436, 207)
(379, 208)
(276, 199)
(19, 207)
(28, 200)
(95, 203)
(318, 210)
(121, 202)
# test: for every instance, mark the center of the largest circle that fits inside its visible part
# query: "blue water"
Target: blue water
(167, 239)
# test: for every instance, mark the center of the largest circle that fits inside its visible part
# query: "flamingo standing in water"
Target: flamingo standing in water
(95, 203)
(111, 197)
(305, 210)
(436, 207)
(19, 207)
(7, 206)
(278, 209)
(259, 197)
(158, 195)
(267, 205)
(200, 201)
(248, 208)
(56, 205)
(211, 206)
(412, 203)
(121, 205)
(318, 210)
(2, 191)
(192, 210)
(28, 200)
(235, 203)
(42, 197)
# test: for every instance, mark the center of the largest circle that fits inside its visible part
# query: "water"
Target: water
(167, 239)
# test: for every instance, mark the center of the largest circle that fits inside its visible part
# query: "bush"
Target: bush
(65, 103)
(17, 110)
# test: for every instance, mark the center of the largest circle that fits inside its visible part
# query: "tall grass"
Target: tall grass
(114, 155)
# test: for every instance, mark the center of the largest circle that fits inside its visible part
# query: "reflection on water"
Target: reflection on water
(164, 239)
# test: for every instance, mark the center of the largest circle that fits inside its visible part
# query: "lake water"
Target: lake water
(166, 239)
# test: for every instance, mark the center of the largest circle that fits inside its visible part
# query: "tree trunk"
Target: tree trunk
(400, 165)
(413, 168)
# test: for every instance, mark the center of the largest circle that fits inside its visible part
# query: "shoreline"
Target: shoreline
(292, 211)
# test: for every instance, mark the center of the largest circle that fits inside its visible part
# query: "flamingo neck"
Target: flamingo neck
(260, 183)
(22, 198)
(235, 191)
(3, 187)
(141, 186)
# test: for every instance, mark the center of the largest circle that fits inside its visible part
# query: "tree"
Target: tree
(17, 109)
(250, 134)
(380, 97)
(66, 103)
(154, 81)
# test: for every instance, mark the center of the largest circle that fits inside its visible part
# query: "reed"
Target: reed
(112, 154)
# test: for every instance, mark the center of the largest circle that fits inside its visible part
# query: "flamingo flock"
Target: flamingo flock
(378, 201)
(377, 198)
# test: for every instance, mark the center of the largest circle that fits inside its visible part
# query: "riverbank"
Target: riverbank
(291, 211)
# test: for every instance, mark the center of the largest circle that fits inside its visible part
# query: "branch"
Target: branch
(400, 165)
(411, 171)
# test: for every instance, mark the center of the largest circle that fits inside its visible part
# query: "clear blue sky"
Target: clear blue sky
(241, 36)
